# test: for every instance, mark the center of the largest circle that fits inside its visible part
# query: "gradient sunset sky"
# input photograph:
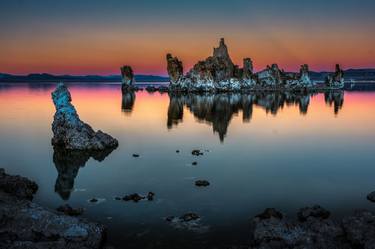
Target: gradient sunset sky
(97, 37)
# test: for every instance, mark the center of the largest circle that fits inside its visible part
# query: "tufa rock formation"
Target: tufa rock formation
(219, 73)
(335, 80)
(127, 77)
(69, 131)
(25, 224)
(175, 69)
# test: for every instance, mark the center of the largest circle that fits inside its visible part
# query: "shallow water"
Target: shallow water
(260, 150)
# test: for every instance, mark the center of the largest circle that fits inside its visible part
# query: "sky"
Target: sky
(97, 37)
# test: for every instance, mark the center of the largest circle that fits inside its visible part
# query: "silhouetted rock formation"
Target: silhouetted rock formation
(69, 131)
(68, 163)
(127, 78)
(25, 224)
(336, 80)
(218, 73)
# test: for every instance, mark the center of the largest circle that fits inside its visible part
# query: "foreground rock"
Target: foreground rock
(25, 224)
(69, 131)
(313, 229)
(218, 73)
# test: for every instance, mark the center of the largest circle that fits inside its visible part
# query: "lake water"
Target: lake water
(260, 150)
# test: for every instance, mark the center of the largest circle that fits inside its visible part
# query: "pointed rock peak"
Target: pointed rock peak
(222, 42)
(222, 50)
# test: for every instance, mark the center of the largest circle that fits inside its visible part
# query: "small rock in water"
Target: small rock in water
(371, 196)
(177, 151)
(93, 200)
(268, 213)
(314, 212)
(170, 218)
(68, 210)
(197, 153)
(151, 89)
(135, 155)
(189, 217)
(150, 196)
(194, 163)
(118, 198)
(202, 183)
(133, 197)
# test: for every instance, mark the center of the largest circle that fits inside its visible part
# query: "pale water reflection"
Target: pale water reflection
(261, 150)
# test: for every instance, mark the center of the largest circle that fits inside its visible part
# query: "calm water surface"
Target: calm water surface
(263, 150)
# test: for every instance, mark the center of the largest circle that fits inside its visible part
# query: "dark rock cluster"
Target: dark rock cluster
(69, 131)
(312, 229)
(25, 224)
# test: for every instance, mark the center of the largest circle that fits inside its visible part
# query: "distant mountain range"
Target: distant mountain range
(350, 74)
(44, 77)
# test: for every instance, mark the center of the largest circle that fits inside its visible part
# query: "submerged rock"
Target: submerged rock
(371, 196)
(189, 217)
(68, 210)
(69, 131)
(197, 153)
(133, 197)
(25, 224)
(150, 196)
(202, 183)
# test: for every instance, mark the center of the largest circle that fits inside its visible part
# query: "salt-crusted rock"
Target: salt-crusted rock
(218, 73)
(270, 231)
(69, 131)
(271, 76)
(25, 224)
(335, 80)
(247, 71)
(127, 77)
(175, 69)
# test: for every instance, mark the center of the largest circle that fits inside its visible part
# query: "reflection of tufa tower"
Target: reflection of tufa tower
(68, 163)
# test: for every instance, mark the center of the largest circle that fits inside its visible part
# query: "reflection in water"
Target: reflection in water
(128, 99)
(218, 109)
(336, 98)
(68, 163)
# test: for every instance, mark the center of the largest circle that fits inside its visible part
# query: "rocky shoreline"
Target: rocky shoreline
(25, 224)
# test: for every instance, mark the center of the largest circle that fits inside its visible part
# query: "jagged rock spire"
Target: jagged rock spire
(175, 68)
